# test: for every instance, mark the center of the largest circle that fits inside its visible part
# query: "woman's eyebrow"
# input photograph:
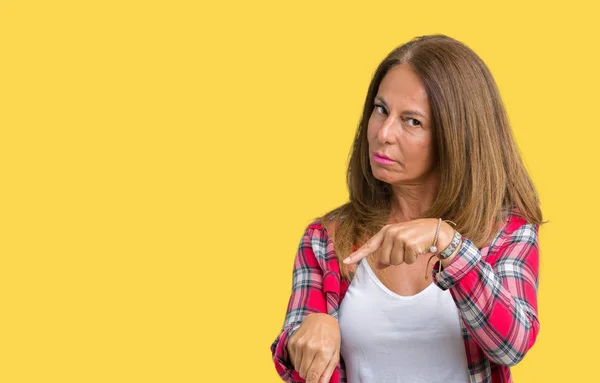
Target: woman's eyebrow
(412, 112)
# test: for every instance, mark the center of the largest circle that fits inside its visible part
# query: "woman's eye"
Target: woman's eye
(414, 122)
(380, 108)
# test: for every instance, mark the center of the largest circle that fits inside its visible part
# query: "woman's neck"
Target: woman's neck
(410, 201)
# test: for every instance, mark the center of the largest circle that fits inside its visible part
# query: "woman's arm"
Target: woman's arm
(307, 297)
(498, 300)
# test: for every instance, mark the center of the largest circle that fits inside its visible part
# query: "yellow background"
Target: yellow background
(160, 160)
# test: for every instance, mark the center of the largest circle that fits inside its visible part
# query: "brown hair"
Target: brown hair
(482, 175)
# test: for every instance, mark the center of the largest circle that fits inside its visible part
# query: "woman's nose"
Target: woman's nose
(386, 132)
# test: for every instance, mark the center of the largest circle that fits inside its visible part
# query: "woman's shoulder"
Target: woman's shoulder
(516, 228)
(330, 221)
(315, 224)
(320, 237)
(516, 221)
(324, 228)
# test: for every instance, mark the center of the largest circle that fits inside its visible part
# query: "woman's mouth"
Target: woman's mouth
(380, 158)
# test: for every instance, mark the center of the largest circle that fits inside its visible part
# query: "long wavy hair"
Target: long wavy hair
(482, 175)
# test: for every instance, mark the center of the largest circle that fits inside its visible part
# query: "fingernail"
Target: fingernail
(347, 260)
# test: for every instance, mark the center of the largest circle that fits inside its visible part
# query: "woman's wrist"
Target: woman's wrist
(444, 240)
(445, 236)
(445, 262)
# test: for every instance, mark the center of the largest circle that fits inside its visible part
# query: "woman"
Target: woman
(434, 172)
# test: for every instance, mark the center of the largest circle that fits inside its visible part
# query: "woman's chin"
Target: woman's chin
(385, 175)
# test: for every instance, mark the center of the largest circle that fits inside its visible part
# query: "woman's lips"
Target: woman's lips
(382, 159)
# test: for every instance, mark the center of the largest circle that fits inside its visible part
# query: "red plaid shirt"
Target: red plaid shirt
(493, 287)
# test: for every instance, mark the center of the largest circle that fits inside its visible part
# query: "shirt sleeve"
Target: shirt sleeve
(307, 297)
(497, 300)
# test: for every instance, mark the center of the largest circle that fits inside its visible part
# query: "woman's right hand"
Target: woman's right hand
(314, 349)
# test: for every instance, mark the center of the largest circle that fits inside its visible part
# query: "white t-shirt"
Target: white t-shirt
(387, 337)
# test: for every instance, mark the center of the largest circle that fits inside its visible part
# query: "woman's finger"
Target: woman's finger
(318, 366)
(397, 254)
(297, 358)
(333, 362)
(384, 256)
(370, 246)
(411, 251)
(305, 363)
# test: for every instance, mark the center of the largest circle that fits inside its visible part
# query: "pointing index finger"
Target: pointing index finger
(370, 246)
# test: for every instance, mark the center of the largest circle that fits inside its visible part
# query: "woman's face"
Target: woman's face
(400, 129)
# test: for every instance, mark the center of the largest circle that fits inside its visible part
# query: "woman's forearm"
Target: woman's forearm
(498, 302)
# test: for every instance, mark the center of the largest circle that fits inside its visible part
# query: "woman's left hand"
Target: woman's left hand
(400, 243)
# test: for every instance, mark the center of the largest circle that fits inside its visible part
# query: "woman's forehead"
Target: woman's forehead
(402, 88)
